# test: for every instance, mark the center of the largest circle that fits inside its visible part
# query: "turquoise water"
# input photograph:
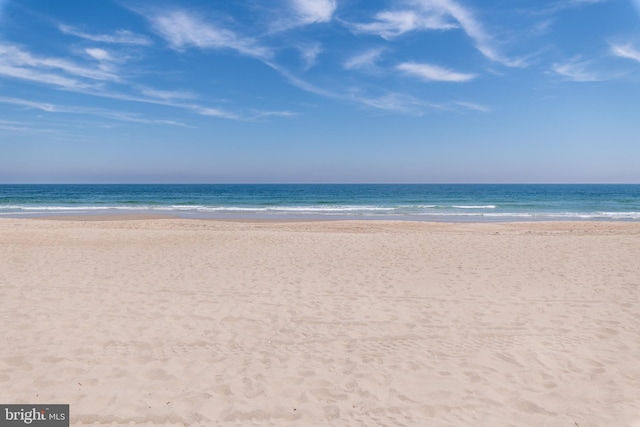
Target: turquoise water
(445, 202)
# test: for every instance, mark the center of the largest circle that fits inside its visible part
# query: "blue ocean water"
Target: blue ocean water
(444, 202)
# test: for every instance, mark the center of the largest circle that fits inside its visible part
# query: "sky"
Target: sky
(305, 91)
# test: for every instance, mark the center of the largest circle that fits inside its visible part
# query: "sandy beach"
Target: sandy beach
(173, 322)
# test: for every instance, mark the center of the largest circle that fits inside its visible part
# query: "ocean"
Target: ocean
(423, 202)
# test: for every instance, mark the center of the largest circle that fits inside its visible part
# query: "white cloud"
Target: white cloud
(11, 122)
(434, 72)
(390, 101)
(365, 60)
(182, 29)
(562, 5)
(301, 84)
(167, 94)
(626, 51)
(259, 114)
(577, 71)
(27, 103)
(13, 126)
(100, 112)
(214, 112)
(168, 99)
(474, 29)
(313, 11)
(542, 27)
(22, 128)
(158, 97)
(18, 63)
(16, 60)
(473, 106)
(135, 118)
(396, 102)
(40, 77)
(98, 54)
(310, 54)
(300, 13)
(390, 24)
(431, 15)
(120, 36)
(173, 99)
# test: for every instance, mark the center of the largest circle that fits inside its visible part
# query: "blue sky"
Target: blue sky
(320, 91)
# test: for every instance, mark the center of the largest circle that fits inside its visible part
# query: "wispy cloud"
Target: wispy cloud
(101, 80)
(313, 11)
(215, 112)
(136, 118)
(304, 85)
(388, 101)
(119, 37)
(95, 69)
(27, 103)
(310, 54)
(559, 6)
(567, 4)
(183, 29)
(259, 113)
(10, 125)
(22, 128)
(18, 63)
(41, 77)
(431, 15)
(98, 54)
(167, 94)
(390, 24)
(542, 27)
(100, 112)
(577, 70)
(474, 29)
(365, 60)
(11, 122)
(299, 13)
(473, 106)
(626, 51)
(434, 73)
(173, 99)
(396, 102)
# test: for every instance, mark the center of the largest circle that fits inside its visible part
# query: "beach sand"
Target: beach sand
(173, 322)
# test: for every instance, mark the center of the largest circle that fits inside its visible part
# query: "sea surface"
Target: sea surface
(424, 202)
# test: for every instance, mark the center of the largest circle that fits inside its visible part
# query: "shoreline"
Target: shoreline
(447, 219)
(172, 322)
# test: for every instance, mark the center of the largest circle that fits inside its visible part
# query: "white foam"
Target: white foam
(407, 211)
(72, 208)
(297, 209)
(474, 206)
